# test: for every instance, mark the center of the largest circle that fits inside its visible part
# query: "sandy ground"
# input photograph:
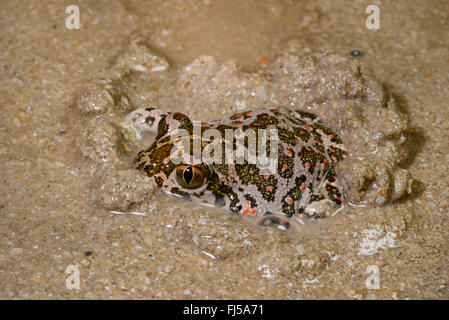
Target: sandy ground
(50, 218)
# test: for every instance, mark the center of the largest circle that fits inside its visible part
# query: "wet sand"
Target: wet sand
(51, 217)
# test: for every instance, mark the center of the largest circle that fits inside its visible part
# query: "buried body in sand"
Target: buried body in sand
(309, 181)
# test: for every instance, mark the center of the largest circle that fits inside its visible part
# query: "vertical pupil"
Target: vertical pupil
(188, 174)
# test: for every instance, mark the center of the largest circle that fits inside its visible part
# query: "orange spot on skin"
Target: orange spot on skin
(288, 153)
(266, 175)
(270, 188)
(345, 155)
(334, 158)
(249, 114)
(308, 149)
(301, 217)
(284, 221)
(240, 118)
(307, 164)
(323, 165)
(331, 149)
(284, 167)
(319, 131)
(245, 211)
(289, 200)
(303, 187)
(308, 127)
(331, 137)
(253, 212)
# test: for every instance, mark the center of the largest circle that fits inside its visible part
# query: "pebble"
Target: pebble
(16, 251)
(300, 249)
(356, 53)
(90, 295)
(443, 203)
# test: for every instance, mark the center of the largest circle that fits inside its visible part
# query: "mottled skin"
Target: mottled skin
(303, 186)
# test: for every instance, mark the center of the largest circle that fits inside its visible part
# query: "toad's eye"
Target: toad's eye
(191, 177)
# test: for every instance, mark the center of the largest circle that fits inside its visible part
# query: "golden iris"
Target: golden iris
(191, 177)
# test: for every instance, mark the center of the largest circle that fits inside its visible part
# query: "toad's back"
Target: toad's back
(303, 185)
